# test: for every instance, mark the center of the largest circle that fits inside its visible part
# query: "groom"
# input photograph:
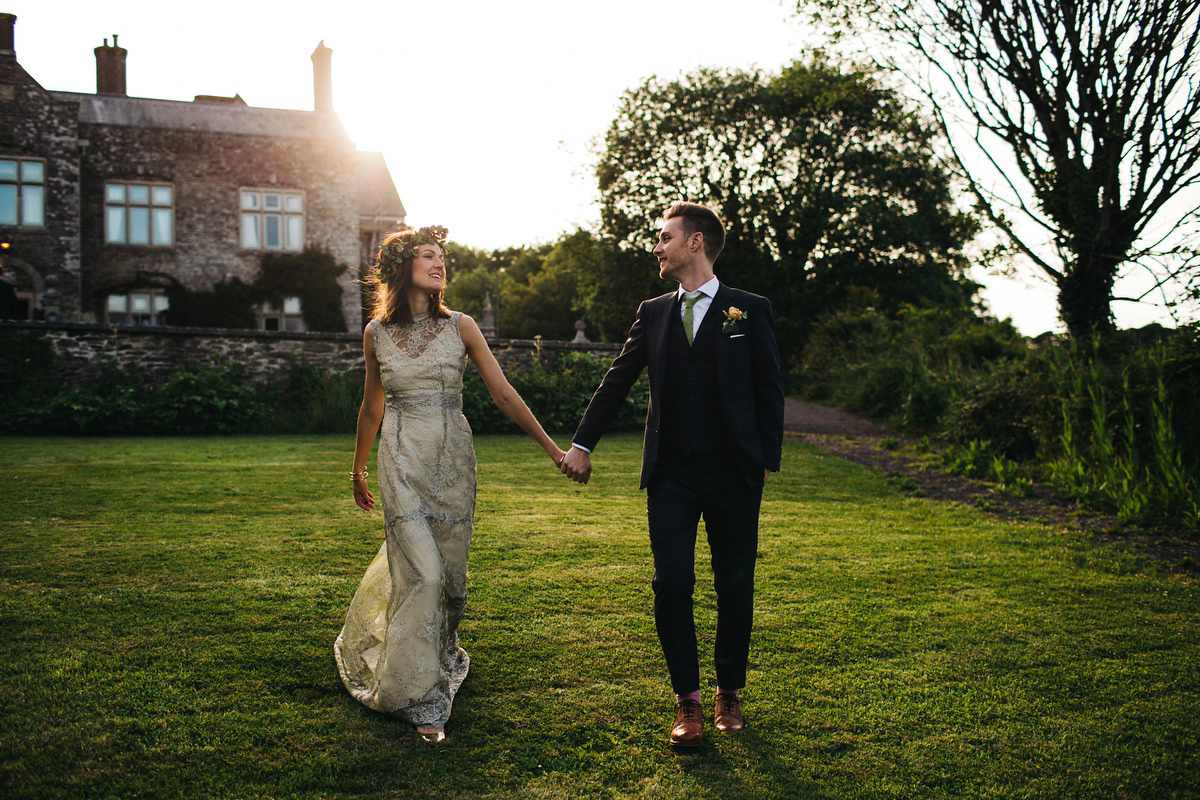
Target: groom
(714, 431)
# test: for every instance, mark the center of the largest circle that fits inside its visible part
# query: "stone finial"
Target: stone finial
(488, 326)
(580, 337)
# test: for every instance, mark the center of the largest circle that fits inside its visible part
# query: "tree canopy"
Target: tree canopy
(826, 181)
(1081, 118)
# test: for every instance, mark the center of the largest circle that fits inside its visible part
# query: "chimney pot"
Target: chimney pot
(8, 23)
(110, 68)
(322, 59)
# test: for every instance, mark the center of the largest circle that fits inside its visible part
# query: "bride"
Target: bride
(398, 652)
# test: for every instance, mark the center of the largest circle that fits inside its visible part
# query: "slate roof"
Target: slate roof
(208, 117)
(377, 196)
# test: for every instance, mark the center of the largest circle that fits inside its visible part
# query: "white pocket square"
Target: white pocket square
(737, 336)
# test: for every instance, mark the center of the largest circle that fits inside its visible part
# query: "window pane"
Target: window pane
(271, 324)
(291, 305)
(8, 170)
(294, 202)
(141, 303)
(271, 231)
(272, 202)
(249, 201)
(295, 232)
(115, 226)
(32, 205)
(162, 195)
(162, 226)
(32, 171)
(118, 303)
(293, 324)
(139, 195)
(115, 193)
(161, 303)
(250, 236)
(8, 204)
(139, 225)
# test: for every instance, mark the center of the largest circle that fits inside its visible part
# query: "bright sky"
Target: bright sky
(487, 113)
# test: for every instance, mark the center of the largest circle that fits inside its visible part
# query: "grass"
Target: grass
(169, 606)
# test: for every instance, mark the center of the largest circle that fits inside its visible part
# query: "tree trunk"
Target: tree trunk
(1085, 297)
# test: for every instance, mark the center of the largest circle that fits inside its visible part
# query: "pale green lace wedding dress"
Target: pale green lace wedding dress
(398, 652)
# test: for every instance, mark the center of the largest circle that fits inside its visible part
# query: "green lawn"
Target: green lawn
(169, 609)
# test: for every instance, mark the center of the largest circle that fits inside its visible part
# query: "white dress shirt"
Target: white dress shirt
(707, 292)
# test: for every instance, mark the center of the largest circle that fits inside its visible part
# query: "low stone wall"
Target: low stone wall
(82, 352)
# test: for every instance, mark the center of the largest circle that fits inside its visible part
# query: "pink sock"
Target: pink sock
(679, 698)
(733, 692)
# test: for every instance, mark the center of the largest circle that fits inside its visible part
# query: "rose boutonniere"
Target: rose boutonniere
(733, 315)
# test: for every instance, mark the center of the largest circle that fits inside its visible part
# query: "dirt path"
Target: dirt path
(868, 443)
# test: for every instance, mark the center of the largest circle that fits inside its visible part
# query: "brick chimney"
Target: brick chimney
(110, 68)
(322, 79)
(7, 23)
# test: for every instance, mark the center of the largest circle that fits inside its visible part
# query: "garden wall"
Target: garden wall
(82, 352)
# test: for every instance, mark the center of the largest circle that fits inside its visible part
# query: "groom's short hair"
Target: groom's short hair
(703, 219)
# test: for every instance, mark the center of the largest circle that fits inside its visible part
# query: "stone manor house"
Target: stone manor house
(107, 200)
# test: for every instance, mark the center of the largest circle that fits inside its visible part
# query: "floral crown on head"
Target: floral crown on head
(391, 255)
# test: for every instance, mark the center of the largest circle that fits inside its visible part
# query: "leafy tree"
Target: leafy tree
(468, 291)
(544, 305)
(609, 282)
(1083, 119)
(825, 179)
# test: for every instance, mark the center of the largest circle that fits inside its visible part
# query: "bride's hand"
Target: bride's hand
(363, 496)
(557, 455)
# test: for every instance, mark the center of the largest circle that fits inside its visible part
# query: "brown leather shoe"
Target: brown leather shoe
(689, 725)
(728, 716)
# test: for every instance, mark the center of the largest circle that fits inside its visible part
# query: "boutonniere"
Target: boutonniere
(733, 315)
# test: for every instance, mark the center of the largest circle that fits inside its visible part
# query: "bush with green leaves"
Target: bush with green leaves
(1112, 426)
(557, 392)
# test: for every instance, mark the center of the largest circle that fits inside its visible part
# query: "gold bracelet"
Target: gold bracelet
(359, 476)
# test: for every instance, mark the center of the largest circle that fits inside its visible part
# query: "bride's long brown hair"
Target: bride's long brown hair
(391, 278)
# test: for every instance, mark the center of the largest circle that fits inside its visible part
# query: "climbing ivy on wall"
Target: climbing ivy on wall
(311, 276)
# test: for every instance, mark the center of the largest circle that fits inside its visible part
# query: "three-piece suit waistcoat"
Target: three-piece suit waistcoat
(691, 418)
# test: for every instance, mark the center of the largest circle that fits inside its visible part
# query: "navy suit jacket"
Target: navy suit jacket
(750, 384)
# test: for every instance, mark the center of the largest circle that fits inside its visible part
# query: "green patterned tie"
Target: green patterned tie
(688, 302)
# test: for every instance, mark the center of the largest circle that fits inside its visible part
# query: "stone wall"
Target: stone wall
(82, 352)
(42, 261)
(207, 171)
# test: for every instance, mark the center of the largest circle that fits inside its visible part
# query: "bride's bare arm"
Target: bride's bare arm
(503, 394)
(370, 414)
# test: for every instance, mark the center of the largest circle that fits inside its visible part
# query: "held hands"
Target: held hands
(577, 465)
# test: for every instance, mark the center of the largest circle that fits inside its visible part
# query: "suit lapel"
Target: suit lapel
(716, 315)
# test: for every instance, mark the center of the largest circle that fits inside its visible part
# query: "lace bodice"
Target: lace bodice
(421, 363)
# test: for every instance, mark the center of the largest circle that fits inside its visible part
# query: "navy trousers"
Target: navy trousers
(683, 490)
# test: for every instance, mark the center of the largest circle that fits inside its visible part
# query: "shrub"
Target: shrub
(557, 392)
(205, 401)
(314, 401)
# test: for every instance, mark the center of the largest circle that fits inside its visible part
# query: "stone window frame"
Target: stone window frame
(290, 318)
(28, 212)
(126, 199)
(129, 309)
(257, 211)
